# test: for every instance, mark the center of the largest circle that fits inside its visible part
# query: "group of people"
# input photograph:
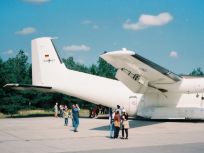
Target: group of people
(98, 109)
(66, 113)
(119, 120)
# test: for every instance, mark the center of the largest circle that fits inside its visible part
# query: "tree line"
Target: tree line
(18, 70)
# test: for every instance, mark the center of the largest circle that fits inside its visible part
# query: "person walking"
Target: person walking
(125, 124)
(75, 114)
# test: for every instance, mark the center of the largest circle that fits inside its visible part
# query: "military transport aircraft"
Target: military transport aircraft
(143, 88)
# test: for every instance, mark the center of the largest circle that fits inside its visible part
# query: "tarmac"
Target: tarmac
(49, 135)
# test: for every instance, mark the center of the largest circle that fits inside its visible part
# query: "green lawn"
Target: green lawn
(39, 113)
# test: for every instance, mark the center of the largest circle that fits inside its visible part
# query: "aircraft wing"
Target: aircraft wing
(139, 73)
(27, 87)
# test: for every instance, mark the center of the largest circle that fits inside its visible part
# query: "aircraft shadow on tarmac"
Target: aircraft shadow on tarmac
(133, 124)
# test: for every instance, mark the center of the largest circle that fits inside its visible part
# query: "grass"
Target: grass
(33, 113)
(84, 113)
(2, 115)
(39, 113)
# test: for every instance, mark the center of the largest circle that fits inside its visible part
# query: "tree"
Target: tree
(2, 73)
(93, 69)
(72, 65)
(12, 102)
(17, 69)
(2, 81)
(69, 63)
(197, 72)
(14, 70)
(105, 69)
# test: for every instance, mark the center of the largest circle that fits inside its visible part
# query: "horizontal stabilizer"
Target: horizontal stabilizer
(27, 87)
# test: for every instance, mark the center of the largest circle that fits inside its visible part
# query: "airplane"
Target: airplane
(142, 87)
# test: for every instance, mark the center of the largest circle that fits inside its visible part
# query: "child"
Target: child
(66, 114)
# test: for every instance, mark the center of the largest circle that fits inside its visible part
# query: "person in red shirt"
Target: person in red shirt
(116, 124)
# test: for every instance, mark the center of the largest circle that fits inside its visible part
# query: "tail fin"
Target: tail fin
(45, 60)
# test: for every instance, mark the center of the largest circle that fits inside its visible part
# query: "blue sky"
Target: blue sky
(168, 32)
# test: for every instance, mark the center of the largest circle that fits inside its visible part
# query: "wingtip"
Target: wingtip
(116, 52)
(10, 85)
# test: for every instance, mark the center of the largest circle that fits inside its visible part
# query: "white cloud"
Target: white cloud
(8, 52)
(26, 53)
(76, 48)
(173, 54)
(36, 1)
(81, 61)
(87, 22)
(95, 26)
(146, 21)
(90, 23)
(26, 31)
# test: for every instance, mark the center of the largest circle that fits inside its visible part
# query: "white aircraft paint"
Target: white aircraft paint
(144, 88)
(49, 71)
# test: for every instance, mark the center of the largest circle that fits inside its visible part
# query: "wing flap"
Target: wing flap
(133, 82)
